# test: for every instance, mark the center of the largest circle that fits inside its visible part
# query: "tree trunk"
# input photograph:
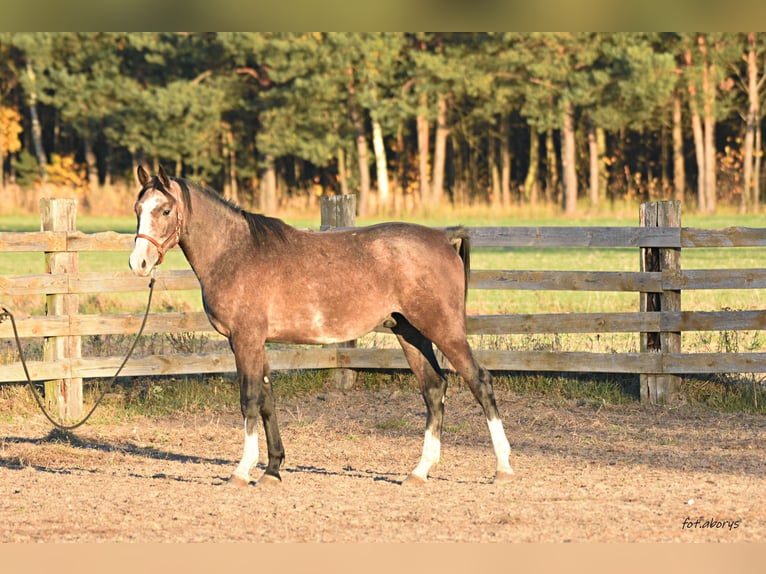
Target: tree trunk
(757, 172)
(531, 181)
(751, 125)
(401, 169)
(423, 148)
(342, 171)
(361, 148)
(364, 169)
(568, 160)
(699, 145)
(551, 168)
(231, 162)
(91, 165)
(505, 159)
(494, 168)
(708, 95)
(593, 162)
(603, 170)
(384, 196)
(268, 185)
(679, 170)
(37, 132)
(440, 152)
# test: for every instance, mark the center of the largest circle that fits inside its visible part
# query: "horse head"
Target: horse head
(159, 214)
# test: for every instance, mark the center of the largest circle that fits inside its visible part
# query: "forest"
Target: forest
(404, 120)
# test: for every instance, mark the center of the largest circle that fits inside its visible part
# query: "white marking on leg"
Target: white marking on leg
(249, 455)
(431, 454)
(501, 445)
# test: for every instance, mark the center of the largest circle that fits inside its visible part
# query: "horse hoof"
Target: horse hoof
(503, 477)
(269, 480)
(238, 482)
(414, 480)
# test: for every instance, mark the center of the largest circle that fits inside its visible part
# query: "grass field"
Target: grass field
(480, 301)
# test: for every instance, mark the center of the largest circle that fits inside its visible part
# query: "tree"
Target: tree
(82, 76)
(751, 82)
(707, 60)
(466, 114)
(10, 129)
(36, 52)
(373, 60)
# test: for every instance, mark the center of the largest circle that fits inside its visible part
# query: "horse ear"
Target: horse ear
(143, 177)
(164, 179)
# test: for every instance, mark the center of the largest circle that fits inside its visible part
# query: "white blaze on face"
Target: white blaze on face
(144, 255)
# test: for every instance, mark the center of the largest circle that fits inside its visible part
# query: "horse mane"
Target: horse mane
(262, 227)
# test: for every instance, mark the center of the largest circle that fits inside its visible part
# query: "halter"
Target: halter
(165, 245)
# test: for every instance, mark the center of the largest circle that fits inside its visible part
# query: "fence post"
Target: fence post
(660, 388)
(63, 395)
(339, 211)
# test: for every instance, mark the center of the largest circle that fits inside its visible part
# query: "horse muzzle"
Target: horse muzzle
(142, 259)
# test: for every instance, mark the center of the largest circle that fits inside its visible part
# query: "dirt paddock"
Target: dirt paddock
(584, 472)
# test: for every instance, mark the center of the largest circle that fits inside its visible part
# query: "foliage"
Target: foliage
(10, 130)
(223, 107)
(64, 171)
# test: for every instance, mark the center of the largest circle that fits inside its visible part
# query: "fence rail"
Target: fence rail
(654, 324)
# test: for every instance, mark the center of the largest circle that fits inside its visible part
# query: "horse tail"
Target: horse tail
(458, 237)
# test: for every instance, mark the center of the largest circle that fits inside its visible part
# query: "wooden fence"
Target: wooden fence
(660, 319)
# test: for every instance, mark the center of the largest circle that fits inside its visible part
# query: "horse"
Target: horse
(265, 281)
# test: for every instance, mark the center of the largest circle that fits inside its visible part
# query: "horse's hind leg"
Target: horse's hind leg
(420, 355)
(480, 382)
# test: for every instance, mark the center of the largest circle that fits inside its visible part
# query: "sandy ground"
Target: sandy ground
(584, 472)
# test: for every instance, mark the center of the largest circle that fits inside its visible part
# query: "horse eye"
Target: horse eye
(166, 212)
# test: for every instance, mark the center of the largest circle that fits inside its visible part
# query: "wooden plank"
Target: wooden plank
(37, 326)
(65, 394)
(529, 324)
(38, 371)
(322, 358)
(103, 241)
(574, 237)
(297, 358)
(713, 321)
(120, 281)
(562, 236)
(115, 324)
(42, 284)
(657, 387)
(176, 364)
(302, 358)
(566, 280)
(372, 358)
(715, 279)
(38, 241)
(498, 360)
(688, 363)
(566, 361)
(729, 237)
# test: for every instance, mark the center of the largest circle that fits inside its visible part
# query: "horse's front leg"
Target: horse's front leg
(257, 399)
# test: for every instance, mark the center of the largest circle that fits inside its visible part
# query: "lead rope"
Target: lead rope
(62, 427)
